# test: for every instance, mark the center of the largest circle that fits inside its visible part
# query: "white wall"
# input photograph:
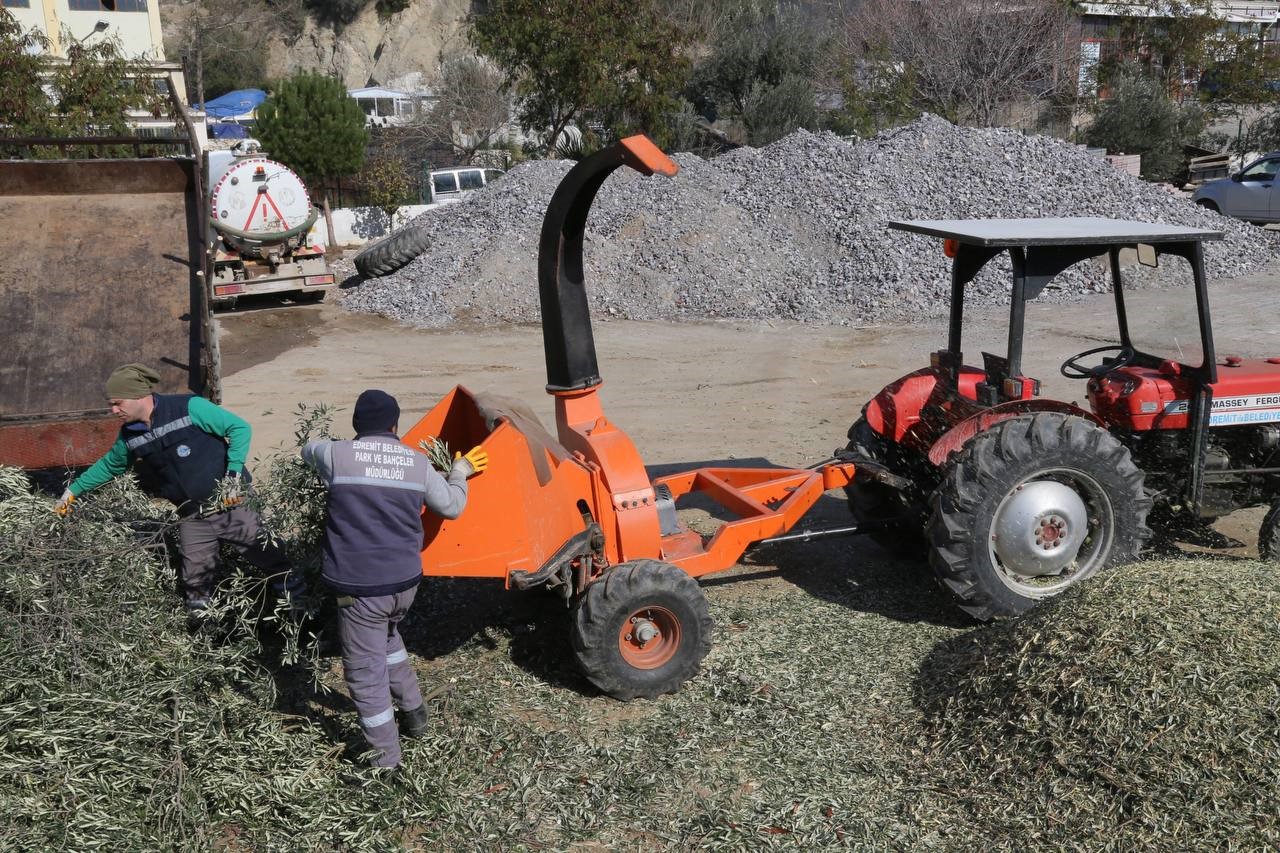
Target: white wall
(355, 226)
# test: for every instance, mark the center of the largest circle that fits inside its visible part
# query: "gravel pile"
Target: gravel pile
(792, 231)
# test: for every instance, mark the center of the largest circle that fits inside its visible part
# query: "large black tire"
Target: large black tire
(392, 252)
(1005, 533)
(1207, 205)
(636, 597)
(1269, 534)
(876, 504)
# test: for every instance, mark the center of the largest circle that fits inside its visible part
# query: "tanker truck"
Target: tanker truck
(260, 218)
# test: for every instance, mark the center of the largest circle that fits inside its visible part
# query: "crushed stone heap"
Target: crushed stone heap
(793, 231)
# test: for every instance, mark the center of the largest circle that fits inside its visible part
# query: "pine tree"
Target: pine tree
(310, 124)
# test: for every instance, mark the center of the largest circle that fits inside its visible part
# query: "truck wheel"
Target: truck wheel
(1031, 506)
(641, 630)
(875, 503)
(392, 252)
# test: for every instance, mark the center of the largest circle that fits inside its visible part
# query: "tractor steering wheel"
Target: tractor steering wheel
(1072, 369)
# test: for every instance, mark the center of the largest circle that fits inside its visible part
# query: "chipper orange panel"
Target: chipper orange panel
(517, 516)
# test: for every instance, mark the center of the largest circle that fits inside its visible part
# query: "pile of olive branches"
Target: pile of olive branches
(113, 718)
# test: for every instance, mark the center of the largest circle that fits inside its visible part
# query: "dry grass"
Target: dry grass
(843, 706)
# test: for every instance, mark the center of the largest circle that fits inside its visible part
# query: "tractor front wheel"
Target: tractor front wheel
(641, 630)
(1032, 506)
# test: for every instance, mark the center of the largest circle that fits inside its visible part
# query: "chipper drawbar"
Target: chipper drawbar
(577, 513)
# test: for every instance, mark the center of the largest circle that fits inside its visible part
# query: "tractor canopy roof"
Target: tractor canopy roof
(1054, 231)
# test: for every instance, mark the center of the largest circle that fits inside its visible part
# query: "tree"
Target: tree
(1173, 41)
(615, 62)
(1141, 118)
(470, 110)
(758, 46)
(773, 111)
(310, 124)
(388, 182)
(24, 104)
(968, 59)
(88, 94)
(224, 45)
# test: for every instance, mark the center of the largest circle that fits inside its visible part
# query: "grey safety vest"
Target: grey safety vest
(373, 538)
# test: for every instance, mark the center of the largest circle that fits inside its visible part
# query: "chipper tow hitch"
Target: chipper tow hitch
(578, 512)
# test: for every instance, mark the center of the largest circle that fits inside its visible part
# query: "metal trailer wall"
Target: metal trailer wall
(100, 265)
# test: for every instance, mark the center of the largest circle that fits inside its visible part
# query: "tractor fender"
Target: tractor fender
(956, 437)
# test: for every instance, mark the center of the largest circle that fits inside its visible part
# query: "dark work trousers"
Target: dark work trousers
(377, 668)
(199, 538)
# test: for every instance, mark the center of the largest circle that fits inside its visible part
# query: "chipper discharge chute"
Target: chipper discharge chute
(577, 512)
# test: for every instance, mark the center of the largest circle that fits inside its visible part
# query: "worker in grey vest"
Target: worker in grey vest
(372, 559)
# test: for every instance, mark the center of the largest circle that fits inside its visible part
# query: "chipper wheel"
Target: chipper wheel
(1032, 506)
(900, 521)
(641, 630)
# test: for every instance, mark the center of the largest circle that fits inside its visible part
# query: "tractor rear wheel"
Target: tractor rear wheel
(897, 522)
(392, 252)
(641, 630)
(1269, 534)
(1032, 506)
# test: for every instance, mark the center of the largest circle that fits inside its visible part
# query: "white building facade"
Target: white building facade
(135, 24)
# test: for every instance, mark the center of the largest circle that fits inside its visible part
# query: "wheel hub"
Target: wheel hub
(649, 637)
(644, 631)
(1039, 528)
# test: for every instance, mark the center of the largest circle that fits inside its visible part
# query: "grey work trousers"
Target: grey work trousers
(376, 667)
(199, 538)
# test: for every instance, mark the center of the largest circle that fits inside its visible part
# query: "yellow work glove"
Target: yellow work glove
(477, 457)
(63, 506)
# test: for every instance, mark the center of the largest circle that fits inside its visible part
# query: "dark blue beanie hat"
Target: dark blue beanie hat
(376, 411)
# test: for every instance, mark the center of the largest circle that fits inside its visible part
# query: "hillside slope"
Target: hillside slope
(369, 50)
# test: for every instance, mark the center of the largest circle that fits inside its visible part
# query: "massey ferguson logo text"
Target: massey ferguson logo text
(1225, 411)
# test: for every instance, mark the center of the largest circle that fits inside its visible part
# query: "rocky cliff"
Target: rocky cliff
(368, 50)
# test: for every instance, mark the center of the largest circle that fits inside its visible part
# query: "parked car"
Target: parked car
(453, 184)
(1249, 194)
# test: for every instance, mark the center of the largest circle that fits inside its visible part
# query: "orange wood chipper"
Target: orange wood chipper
(577, 513)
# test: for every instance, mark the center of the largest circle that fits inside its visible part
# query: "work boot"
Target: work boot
(197, 615)
(415, 723)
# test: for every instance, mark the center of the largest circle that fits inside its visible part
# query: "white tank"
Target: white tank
(257, 204)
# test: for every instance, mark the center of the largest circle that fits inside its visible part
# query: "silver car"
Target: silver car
(1248, 194)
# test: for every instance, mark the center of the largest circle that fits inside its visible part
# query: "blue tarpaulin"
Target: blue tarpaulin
(228, 130)
(238, 103)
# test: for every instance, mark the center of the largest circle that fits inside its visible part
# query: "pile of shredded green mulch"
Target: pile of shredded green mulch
(1142, 711)
(844, 705)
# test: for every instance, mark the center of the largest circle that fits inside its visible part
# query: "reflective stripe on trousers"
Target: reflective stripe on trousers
(376, 667)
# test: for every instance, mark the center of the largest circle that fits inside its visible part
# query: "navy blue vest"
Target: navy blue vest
(173, 458)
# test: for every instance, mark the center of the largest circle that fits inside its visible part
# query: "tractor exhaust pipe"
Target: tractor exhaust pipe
(566, 317)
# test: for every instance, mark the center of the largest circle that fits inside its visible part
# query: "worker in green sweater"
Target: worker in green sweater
(184, 447)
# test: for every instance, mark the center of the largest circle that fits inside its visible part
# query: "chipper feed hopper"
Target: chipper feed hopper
(577, 513)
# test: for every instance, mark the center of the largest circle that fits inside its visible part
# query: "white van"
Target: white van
(452, 184)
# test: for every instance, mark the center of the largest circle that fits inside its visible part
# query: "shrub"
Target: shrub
(1141, 118)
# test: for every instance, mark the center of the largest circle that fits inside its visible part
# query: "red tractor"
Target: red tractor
(1016, 497)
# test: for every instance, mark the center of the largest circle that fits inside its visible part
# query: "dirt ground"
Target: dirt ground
(695, 392)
